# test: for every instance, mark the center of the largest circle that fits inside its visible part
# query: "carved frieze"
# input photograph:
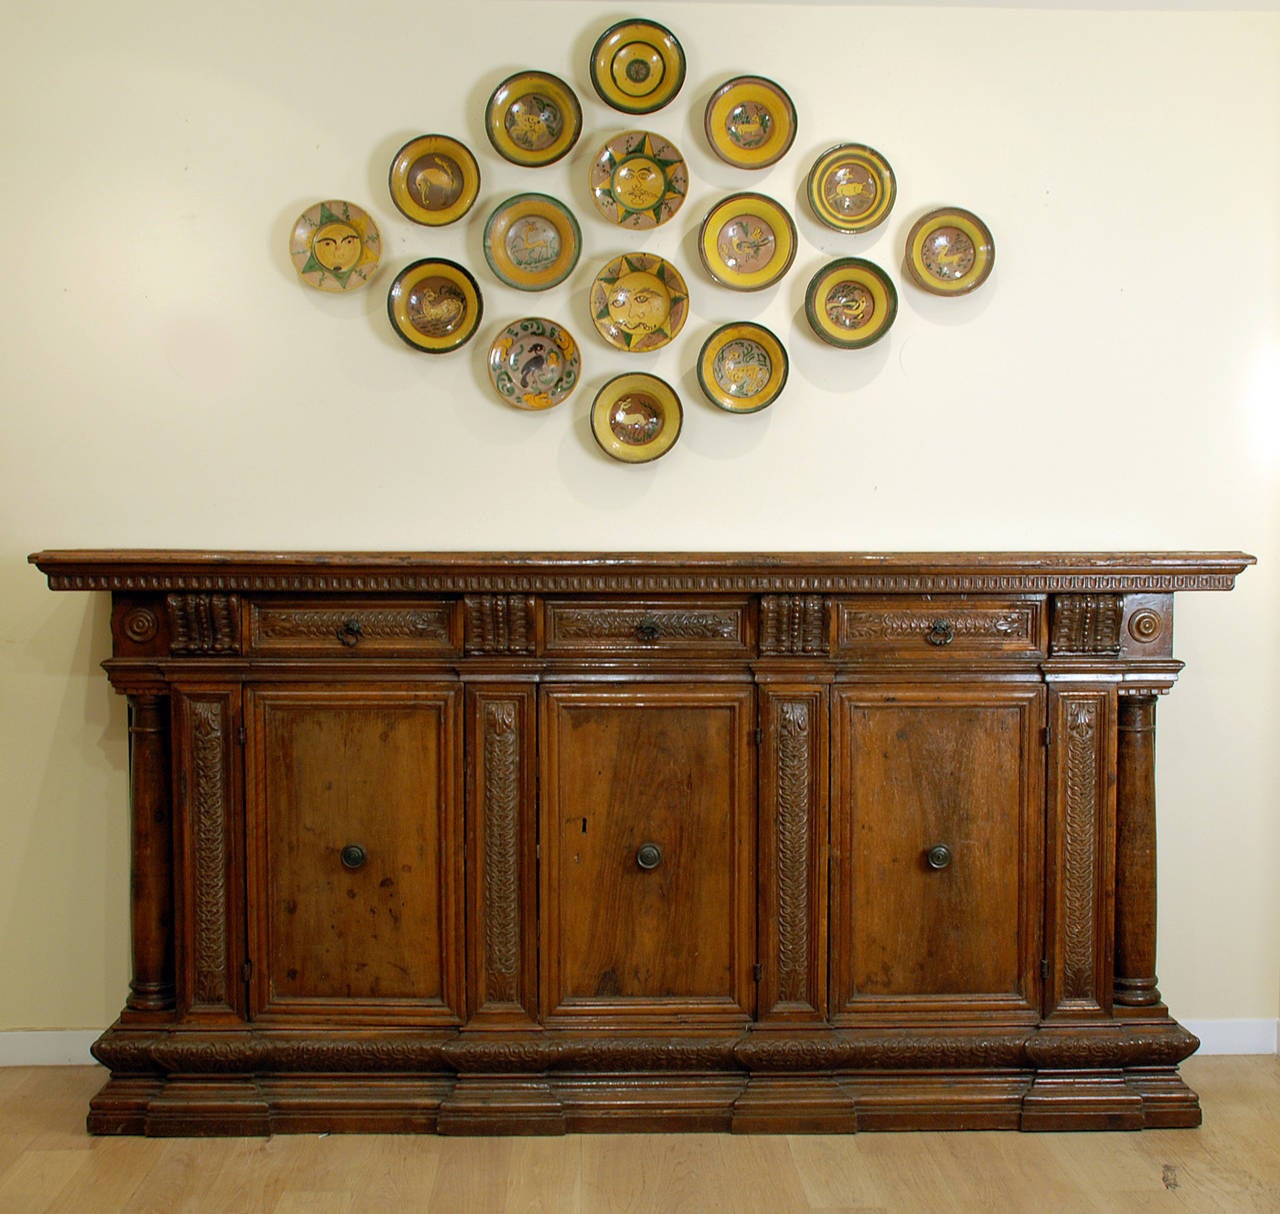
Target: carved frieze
(1086, 624)
(793, 624)
(204, 623)
(500, 623)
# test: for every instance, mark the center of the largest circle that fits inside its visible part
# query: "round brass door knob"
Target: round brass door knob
(649, 856)
(938, 856)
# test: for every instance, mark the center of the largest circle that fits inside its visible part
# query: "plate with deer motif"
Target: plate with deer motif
(638, 180)
(851, 302)
(747, 242)
(950, 251)
(639, 302)
(851, 188)
(532, 242)
(750, 122)
(435, 305)
(742, 367)
(636, 417)
(335, 246)
(533, 118)
(637, 66)
(534, 363)
(434, 180)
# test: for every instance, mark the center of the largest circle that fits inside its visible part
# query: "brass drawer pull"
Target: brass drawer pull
(649, 856)
(354, 856)
(938, 856)
(349, 633)
(648, 630)
(941, 632)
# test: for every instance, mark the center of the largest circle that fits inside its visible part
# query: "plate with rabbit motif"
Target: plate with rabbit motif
(533, 118)
(636, 417)
(434, 180)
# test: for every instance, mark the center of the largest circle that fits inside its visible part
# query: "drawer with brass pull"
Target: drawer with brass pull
(940, 627)
(412, 627)
(716, 626)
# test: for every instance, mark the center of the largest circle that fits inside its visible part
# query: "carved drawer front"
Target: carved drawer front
(940, 627)
(649, 626)
(363, 629)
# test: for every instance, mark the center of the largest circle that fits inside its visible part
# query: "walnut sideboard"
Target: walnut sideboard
(479, 843)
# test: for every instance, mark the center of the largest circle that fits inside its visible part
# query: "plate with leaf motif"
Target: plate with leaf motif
(747, 242)
(851, 188)
(534, 363)
(638, 180)
(335, 246)
(533, 118)
(636, 417)
(851, 302)
(637, 66)
(742, 367)
(639, 302)
(750, 122)
(950, 251)
(532, 242)
(435, 305)
(434, 180)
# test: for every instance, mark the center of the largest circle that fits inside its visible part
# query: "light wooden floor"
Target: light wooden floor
(48, 1163)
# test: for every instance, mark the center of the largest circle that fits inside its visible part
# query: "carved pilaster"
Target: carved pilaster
(208, 810)
(1135, 981)
(500, 623)
(793, 623)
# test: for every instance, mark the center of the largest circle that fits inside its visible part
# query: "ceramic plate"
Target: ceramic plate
(534, 363)
(637, 66)
(435, 305)
(533, 118)
(750, 122)
(335, 246)
(639, 302)
(851, 188)
(636, 418)
(638, 180)
(742, 367)
(747, 242)
(532, 242)
(851, 302)
(950, 251)
(434, 180)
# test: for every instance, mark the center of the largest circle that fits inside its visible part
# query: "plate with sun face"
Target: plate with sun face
(638, 180)
(533, 118)
(637, 66)
(639, 302)
(747, 242)
(435, 305)
(742, 367)
(851, 188)
(335, 246)
(851, 302)
(750, 122)
(950, 251)
(532, 242)
(636, 417)
(534, 363)
(434, 180)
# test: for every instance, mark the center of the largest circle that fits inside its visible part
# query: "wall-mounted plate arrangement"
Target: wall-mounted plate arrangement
(534, 363)
(636, 417)
(637, 66)
(747, 242)
(434, 180)
(639, 302)
(851, 302)
(950, 251)
(533, 118)
(638, 180)
(532, 242)
(742, 367)
(851, 188)
(335, 246)
(750, 122)
(435, 305)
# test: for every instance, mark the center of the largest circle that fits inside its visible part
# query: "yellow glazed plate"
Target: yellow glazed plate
(636, 418)
(533, 118)
(335, 246)
(534, 363)
(639, 302)
(434, 180)
(750, 122)
(851, 303)
(435, 305)
(950, 251)
(532, 242)
(851, 188)
(637, 66)
(742, 367)
(638, 180)
(747, 242)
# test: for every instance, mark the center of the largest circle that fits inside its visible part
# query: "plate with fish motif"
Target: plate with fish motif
(747, 242)
(851, 188)
(851, 303)
(638, 180)
(335, 246)
(750, 122)
(639, 302)
(532, 242)
(534, 363)
(950, 251)
(533, 118)
(435, 305)
(742, 367)
(434, 180)
(636, 417)
(637, 66)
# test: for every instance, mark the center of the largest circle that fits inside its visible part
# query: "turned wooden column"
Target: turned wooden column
(1135, 976)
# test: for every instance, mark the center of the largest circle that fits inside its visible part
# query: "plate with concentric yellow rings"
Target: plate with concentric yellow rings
(533, 118)
(750, 122)
(434, 180)
(950, 251)
(851, 302)
(637, 66)
(851, 188)
(742, 367)
(435, 305)
(335, 246)
(532, 242)
(747, 242)
(636, 417)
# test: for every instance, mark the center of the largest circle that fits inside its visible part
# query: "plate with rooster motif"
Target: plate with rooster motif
(851, 302)
(742, 367)
(335, 246)
(639, 302)
(950, 251)
(638, 180)
(747, 242)
(532, 242)
(434, 180)
(750, 122)
(435, 305)
(636, 417)
(533, 118)
(534, 363)
(851, 188)
(637, 66)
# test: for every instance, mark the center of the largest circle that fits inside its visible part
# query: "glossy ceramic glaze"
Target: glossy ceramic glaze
(742, 367)
(750, 122)
(851, 302)
(534, 363)
(532, 242)
(435, 305)
(639, 302)
(434, 180)
(638, 180)
(637, 66)
(533, 118)
(950, 251)
(636, 417)
(335, 246)
(851, 188)
(747, 242)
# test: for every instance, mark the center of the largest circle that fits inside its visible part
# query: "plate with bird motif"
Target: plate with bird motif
(534, 363)
(851, 302)
(639, 302)
(851, 188)
(638, 180)
(637, 66)
(747, 242)
(636, 417)
(434, 180)
(950, 251)
(750, 122)
(335, 246)
(742, 367)
(435, 305)
(533, 118)
(532, 242)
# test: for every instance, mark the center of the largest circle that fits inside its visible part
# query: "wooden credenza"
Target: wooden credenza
(478, 843)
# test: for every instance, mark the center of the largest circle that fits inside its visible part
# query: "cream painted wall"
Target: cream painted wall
(165, 381)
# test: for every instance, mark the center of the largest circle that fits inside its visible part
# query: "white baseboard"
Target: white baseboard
(1236, 1036)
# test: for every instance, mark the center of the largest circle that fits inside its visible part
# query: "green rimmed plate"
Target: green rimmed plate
(335, 246)
(532, 242)
(638, 180)
(533, 118)
(435, 305)
(637, 66)
(851, 303)
(534, 363)
(742, 367)
(750, 122)
(950, 251)
(747, 242)
(636, 417)
(639, 302)
(434, 180)
(851, 188)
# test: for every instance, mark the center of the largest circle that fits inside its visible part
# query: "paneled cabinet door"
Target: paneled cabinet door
(648, 857)
(938, 849)
(354, 809)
